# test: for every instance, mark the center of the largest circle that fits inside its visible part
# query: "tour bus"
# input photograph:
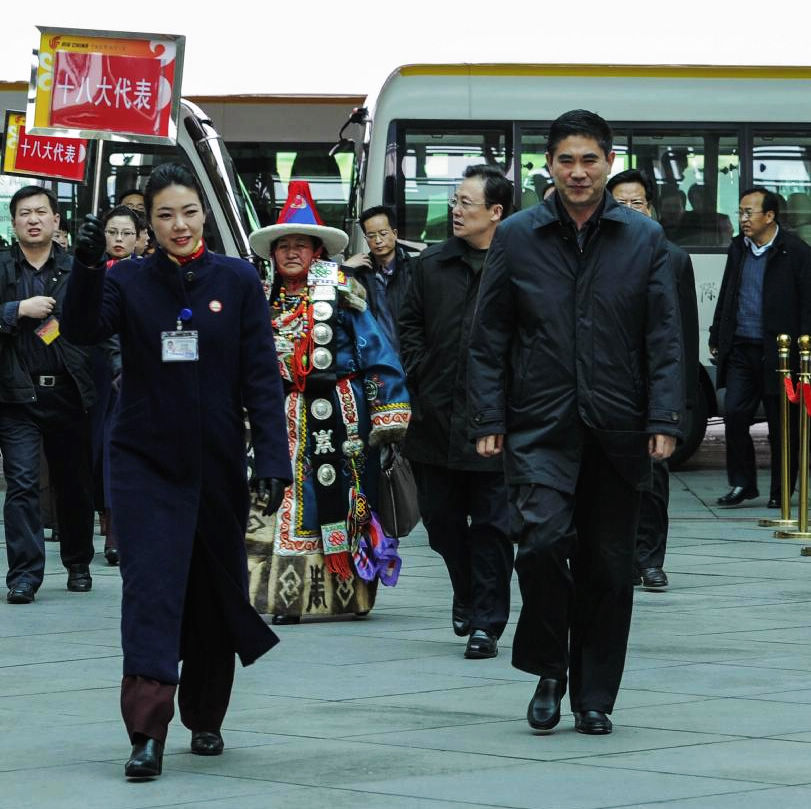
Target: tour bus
(117, 166)
(702, 133)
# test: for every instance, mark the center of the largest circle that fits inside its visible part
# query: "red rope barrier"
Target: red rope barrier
(793, 393)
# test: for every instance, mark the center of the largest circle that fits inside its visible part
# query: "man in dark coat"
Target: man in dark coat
(385, 271)
(462, 496)
(45, 392)
(766, 291)
(197, 354)
(575, 371)
(635, 189)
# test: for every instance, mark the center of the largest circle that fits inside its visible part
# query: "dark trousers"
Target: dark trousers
(206, 676)
(467, 519)
(57, 421)
(745, 390)
(651, 534)
(574, 564)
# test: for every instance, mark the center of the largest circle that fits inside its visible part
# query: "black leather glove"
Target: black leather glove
(271, 490)
(90, 242)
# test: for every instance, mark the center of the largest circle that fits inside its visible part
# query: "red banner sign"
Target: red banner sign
(42, 155)
(106, 84)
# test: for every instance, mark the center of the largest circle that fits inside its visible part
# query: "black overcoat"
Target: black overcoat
(786, 303)
(435, 321)
(177, 447)
(569, 346)
(682, 267)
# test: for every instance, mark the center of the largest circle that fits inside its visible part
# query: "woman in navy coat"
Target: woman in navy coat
(197, 352)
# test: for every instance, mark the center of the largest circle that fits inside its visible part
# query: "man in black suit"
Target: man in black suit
(766, 291)
(634, 189)
(575, 374)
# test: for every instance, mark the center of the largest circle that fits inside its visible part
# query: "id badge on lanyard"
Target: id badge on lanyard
(179, 346)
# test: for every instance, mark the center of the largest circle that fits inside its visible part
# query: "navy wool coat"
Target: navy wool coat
(177, 445)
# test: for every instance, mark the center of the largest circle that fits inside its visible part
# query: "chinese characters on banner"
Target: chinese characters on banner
(93, 91)
(41, 155)
(106, 85)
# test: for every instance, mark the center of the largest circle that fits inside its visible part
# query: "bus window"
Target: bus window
(782, 163)
(697, 176)
(432, 163)
(267, 168)
(535, 179)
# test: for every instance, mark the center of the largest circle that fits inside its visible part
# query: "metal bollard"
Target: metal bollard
(783, 352)
(802, 532)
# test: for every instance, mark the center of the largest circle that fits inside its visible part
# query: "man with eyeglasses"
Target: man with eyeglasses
(635, 189)
(766, 291)
(385, 271)
(462, 496)
(45, 391)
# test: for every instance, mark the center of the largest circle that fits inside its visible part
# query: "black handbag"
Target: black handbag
(397, 507)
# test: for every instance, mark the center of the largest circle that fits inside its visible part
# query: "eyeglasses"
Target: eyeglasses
(464, 204)
(123, 234)
(380, 234)
(747, 213)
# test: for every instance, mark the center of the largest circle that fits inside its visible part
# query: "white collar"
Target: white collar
(759, 251)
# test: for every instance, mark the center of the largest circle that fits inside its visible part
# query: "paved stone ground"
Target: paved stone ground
(714, 713)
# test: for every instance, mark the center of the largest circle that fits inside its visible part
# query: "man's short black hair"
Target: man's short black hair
(632, 176)
(32, 191)
(498, 190)
(378, 210)
(124, 194)
(771, 202)
(580, 122)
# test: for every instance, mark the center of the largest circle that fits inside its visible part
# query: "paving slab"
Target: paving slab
(385, 713)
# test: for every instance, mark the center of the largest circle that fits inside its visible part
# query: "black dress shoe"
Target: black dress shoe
(654, 578)
(774, 502)
(543, 712)
(594, 723)
(111, 555)
(22, 593)
(481, 644)
(146, 759)
(206, 743)
(285, 620)
(460, 618)
(79, 579)
(736, 495)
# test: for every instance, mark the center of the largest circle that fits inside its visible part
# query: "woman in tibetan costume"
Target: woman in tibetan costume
(324, 551)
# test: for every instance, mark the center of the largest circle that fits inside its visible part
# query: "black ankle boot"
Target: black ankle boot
(146, 759)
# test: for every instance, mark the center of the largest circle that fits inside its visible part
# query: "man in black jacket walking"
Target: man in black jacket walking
(635, 189)
(45, 391)
(766, 291)
(462, 496)
(575, 373)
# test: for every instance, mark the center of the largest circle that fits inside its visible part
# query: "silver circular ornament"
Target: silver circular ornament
(322, 358)
(321, 409)
(322, 334)
(322, 310)
(326, 474)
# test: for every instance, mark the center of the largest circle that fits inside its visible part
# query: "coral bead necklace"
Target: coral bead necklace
(295, 322)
